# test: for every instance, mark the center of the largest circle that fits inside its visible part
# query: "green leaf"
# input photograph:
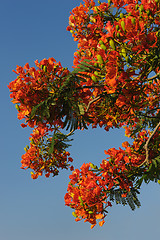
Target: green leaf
(157, 159)
(34, 109)
(141, 146)
(81, 74)
(82, 68)
(130, 201)
(84, 124)
(65, 122)
(139, 182)
(87, 64)
(154, 162)
(69, 124)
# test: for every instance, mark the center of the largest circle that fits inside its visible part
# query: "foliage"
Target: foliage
(115, 83)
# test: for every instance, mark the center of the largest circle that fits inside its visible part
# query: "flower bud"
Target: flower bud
(100, 59)
(141, 8)
(123, 25)
(148, 12)
(133, 20)
(118, 34)
(101, 42)
(94, 78)
(17, 107)
(121, 15)
(103, 46)
(123, 51)
(111, 42)
(117, 27)
(96, 73)
(74, 214)
(45, 69)
(137, 6)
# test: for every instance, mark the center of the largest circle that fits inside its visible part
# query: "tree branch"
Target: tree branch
(146, 146)
(92, 101)
(151, 78)
(143, 115)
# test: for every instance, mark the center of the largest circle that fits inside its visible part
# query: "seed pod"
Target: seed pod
(129, 14)
(121, 15)
(117, 27)
(109, 3)
(111, 42)
(123, 25)
(100, 59)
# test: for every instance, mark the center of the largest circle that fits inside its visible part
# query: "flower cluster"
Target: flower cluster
(89, 188)
(86, 196)
(120, 47)
(115, 83)
(33, 87)
(39, 158)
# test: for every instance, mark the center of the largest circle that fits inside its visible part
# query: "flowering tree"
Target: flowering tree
(115, 83)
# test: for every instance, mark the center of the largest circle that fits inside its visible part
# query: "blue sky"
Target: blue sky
(34, 209)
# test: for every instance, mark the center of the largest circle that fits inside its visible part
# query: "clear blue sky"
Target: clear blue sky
(34, 209)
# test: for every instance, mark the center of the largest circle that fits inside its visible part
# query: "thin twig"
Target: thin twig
(148, 79)
(148, 116)
(69, 133)
(92, 86)
(146, 146)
